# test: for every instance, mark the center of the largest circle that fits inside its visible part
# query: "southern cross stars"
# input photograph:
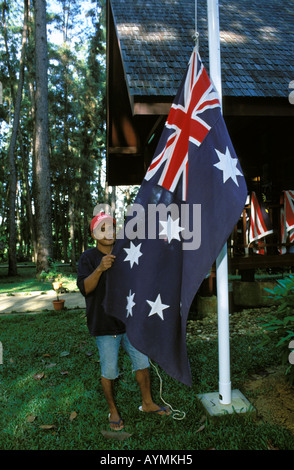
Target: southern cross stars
(133, 254)
(171, 229)
(130, 303)
(157, 307)
(228, 165)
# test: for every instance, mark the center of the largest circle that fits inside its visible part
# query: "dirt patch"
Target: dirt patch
(272, 397)
(268, 390)
(241, 323)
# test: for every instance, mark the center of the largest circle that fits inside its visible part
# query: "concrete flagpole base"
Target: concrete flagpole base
(214, 407)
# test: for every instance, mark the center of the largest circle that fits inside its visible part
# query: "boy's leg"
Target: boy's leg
(148, 405)
(115, 421)
(108, 351)
(140, 364)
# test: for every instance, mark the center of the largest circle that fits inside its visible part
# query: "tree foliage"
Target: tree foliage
(76, 78)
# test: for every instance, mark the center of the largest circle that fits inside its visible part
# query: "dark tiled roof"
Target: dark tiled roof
(257, 44)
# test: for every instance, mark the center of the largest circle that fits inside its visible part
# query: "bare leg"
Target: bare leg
(107, 387)
(143, 379)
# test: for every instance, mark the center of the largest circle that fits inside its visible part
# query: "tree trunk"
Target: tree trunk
(42, 164)
(12, 269)
(73, 261)
(28, 201)
(31, 190)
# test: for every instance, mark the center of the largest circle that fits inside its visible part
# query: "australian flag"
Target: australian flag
(191, 197)
(260, 222)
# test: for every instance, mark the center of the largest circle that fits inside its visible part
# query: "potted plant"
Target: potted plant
(57, 284)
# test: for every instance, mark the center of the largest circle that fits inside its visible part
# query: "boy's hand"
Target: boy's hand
(106, 262)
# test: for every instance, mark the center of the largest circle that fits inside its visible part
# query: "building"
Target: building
(149, 45)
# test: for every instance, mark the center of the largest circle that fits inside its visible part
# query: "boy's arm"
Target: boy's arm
(90, 283)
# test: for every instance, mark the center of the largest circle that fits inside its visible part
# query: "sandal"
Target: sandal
(119, 426)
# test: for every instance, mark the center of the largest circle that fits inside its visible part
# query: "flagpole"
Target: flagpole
(222, 283)
(225, 400)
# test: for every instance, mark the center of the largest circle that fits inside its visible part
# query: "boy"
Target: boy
(109, 331)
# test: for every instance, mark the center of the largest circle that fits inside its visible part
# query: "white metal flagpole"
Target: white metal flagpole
(225, 400)
(222, 260)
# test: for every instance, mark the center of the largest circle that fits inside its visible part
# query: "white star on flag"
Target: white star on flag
(228, 166)
(130, 303)
(133, 254)
(157, 307)
(171, 229)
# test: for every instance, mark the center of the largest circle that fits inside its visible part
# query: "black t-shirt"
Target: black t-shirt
(99, 323)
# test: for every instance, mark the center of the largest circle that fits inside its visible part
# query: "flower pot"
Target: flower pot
(58, 304)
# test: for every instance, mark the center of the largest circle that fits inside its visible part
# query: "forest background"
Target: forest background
(52, 129)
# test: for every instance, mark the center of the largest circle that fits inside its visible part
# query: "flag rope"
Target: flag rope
(196, 34)
(177, 414)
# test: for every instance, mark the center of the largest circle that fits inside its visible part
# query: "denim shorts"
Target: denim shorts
(108, 347)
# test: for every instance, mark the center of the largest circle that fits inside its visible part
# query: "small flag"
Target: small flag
(260, 223)
(287, 219)
(289, 209)
(284, 234)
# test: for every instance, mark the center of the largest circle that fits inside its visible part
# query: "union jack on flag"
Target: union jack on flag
(187, 125)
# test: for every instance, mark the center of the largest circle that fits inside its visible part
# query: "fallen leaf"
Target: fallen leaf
(31, 418)
(46, 355)
(64, 372)
(47, 426)
(201, 428)
(203, 419)
(271, 446)
(52, 364)
(117, 435)
(39, 376)
(73, 415)
(64, 353)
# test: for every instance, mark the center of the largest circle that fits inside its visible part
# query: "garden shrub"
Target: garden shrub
(279, 324)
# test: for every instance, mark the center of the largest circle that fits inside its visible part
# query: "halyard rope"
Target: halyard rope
(177, 414)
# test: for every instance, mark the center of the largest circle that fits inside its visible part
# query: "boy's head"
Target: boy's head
(103, 227)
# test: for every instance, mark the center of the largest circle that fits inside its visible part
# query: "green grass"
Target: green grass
(26, 280)
(57, 344)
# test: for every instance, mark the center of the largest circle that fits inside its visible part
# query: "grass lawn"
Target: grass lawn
(51, 398)
(26, 280)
